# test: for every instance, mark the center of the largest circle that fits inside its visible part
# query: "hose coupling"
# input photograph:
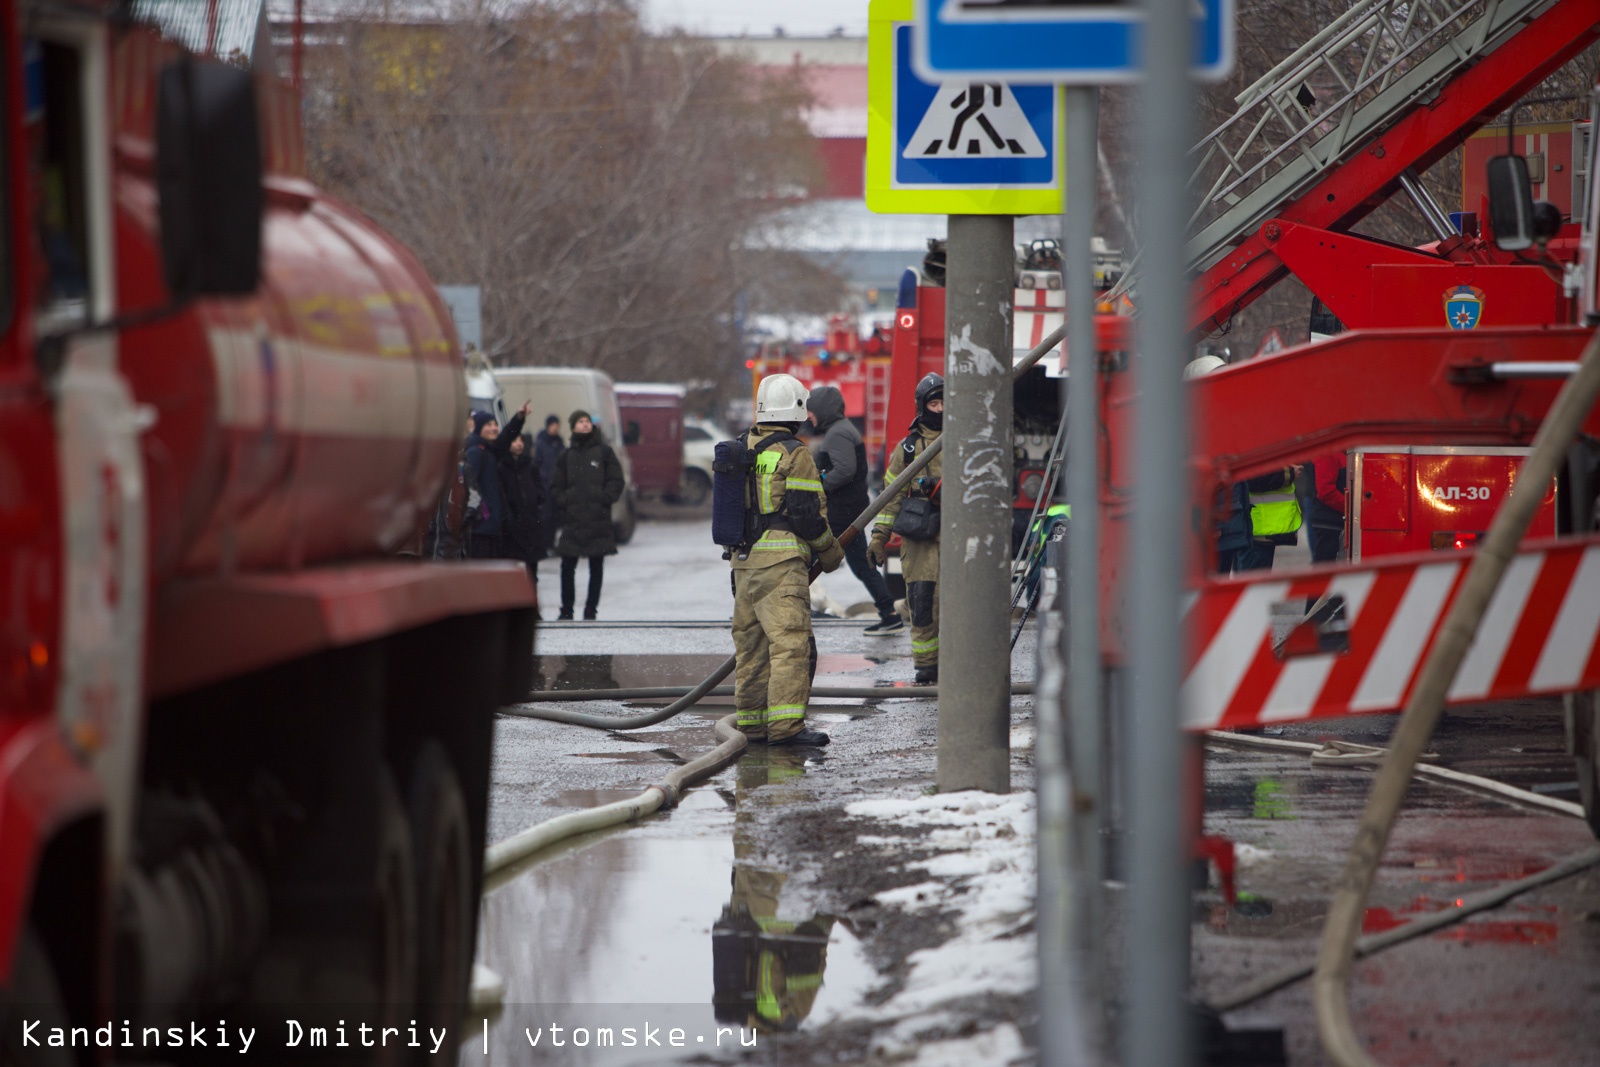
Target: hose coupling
(669, 794)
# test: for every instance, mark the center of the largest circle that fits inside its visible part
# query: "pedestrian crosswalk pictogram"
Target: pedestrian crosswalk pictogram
(975, 120)
(968, 146)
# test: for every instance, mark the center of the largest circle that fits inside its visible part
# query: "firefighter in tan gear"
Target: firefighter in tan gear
(919, 558)
(772, 571)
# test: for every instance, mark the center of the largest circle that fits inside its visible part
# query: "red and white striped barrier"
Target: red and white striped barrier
(1538, 636)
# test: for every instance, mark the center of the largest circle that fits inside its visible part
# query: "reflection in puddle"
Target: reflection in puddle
(637, 929)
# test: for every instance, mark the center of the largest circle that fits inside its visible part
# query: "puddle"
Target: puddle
(638, 930)
(637, 671)
(620, 671)
(659, 755)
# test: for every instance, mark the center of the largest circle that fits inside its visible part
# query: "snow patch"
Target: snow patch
(984, 877)
(912, 897)
(1250, 855)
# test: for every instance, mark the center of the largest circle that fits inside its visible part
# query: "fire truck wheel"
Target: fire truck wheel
(34, 994)
(1583, 736)
(395, 942)
(441, 842)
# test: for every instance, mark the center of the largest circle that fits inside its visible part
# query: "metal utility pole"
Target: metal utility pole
(1155, 1015)
(1085, 699)
(975, 535)
(1067, 751)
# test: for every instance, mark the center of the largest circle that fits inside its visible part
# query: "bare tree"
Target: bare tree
(597, 183)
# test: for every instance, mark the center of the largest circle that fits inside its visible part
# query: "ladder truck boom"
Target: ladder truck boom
(1414, 81)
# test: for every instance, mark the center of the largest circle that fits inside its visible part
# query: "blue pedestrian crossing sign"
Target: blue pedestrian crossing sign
(1056, 42)
(954, 147)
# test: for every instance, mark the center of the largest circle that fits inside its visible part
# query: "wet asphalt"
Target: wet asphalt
(624, 928)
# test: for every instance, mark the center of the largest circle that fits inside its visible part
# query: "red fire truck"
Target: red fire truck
(1039, 308)
(857, 366)
(244, 748)
(1452, 359)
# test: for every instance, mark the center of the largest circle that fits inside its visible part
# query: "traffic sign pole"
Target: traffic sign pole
(1156, 1024)
(1084, 692)
(975, 530)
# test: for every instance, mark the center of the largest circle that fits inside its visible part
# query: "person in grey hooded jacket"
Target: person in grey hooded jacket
(842, 459)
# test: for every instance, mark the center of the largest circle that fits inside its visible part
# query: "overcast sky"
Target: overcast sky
(758, 18)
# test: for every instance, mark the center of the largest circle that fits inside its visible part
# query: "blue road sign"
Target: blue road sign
(1066, 42)
(958, 146)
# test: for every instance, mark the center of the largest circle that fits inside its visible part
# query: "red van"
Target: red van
(652, 430)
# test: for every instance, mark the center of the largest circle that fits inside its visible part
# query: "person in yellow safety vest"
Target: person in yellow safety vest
(1274, 518)
(774, 652)
(766, 971)
(1039, 535)
(919, 558)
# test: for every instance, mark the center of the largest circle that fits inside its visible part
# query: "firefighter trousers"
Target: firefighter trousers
(775, 653)
(919, 562)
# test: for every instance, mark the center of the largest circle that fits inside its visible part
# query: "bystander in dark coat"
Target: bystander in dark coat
(588, 480)
(548, 449)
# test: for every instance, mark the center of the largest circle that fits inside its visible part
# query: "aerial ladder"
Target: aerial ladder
(1356, 113)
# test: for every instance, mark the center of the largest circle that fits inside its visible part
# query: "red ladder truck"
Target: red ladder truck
(1286, 645)
(244, 747)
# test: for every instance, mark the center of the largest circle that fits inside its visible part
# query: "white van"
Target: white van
(560, 391)
(483, 389)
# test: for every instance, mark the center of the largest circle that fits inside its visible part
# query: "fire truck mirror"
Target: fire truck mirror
(1310, 626)
(208, 168)
(1511, 203)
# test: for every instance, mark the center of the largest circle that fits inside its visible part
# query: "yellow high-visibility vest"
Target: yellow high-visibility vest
(1274, 512)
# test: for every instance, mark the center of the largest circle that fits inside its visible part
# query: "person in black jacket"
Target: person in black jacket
(524, 495)
(842, 459)
(588, 480)
(547, 450)
(486, 507)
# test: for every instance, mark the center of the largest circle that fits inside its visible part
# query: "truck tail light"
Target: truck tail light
(1454, 540)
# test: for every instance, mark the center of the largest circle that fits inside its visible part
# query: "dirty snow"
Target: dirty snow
(1001, 1045)
(984, 877)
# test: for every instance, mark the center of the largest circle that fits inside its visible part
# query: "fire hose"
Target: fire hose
(1335, 957)
(665, 793)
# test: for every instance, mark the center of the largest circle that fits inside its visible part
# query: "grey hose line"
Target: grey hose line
(665, 793)
(1367, 946)
(662, 692)
(626, 722)
(1335, 961)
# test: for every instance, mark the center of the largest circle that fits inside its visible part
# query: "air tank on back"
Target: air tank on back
(313, 421)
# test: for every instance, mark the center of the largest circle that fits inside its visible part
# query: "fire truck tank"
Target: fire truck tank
(316, 419)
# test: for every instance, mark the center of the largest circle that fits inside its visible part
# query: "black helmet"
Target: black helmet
(930, 388)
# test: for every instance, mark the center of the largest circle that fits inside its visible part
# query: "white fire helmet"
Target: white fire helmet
(1204, 365)
(781, 398)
